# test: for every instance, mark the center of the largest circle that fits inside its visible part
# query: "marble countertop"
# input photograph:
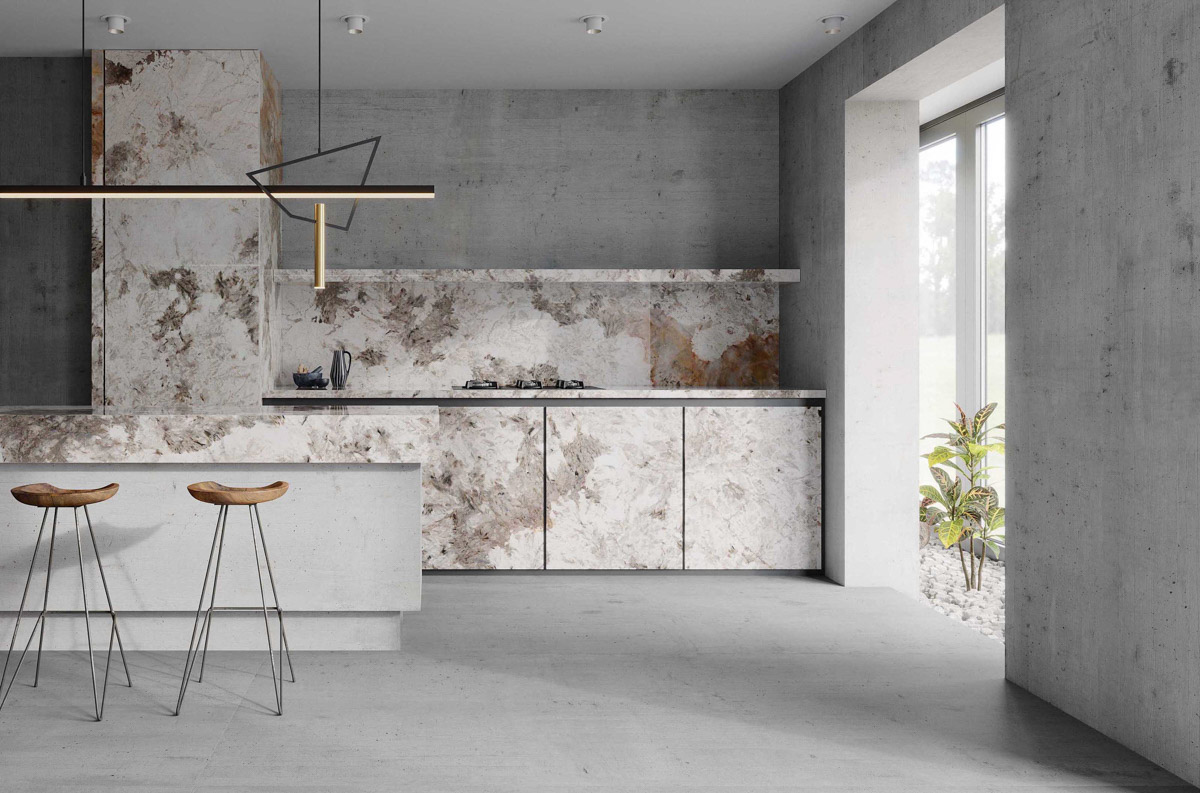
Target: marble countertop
(385, 434)
(213, 411)
(552, 393)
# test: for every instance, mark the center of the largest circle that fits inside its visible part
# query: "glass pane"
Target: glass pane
(993, 263)
(936, 319)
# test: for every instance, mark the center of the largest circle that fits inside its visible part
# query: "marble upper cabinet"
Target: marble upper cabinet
(482, 486)
(753, 477)
(614, 488)
(178, 284)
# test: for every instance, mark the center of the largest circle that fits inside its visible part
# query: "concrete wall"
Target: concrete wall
(45, 333)
(1104, 366)
(812, 237)
(880, 348)
(553, 178)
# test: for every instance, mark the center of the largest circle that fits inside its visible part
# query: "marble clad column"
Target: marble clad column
(614, 488)
(182, 318)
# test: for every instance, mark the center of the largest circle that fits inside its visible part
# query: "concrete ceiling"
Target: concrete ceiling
(422, 44)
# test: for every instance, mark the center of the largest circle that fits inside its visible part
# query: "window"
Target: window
(961, 317)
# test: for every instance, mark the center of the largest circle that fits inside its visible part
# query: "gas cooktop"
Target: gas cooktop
(492, 385)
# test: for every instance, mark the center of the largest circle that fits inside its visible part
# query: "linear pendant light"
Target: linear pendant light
(214, 191)
(257, 189)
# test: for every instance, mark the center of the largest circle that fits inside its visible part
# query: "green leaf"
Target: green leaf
(978, 493)
(929, 491)
(983, 415)
(942, 478)
(949, 532)
(939, 455)
(990, 499)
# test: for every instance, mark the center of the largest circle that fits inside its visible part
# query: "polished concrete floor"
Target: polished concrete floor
(575, 682)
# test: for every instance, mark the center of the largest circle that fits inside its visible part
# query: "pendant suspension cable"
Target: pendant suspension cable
(85, 176)
(318, 76)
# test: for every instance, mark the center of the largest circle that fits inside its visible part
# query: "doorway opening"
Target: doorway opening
(962, 353)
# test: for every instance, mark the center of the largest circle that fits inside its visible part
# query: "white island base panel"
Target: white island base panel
(345, 544)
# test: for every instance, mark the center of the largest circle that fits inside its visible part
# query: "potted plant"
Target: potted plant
(962, 508)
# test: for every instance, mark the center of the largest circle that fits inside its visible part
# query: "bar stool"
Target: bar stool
(49, 497)
(226, 497)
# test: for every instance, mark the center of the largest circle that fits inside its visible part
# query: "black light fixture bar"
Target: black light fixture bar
(25, 192)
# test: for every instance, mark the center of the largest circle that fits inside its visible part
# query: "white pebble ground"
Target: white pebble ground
(944, 589)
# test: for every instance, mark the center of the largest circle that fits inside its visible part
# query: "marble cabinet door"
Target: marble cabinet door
(614, 488)
(483, 491)
(753, 484)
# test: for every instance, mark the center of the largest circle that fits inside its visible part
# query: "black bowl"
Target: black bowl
(306, 379)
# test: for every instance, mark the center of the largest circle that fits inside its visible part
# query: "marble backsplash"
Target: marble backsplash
(428, 335)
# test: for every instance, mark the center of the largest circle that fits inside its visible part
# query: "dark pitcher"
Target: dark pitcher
(340, 369)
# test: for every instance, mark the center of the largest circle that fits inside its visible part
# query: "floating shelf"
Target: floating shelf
(530, 276)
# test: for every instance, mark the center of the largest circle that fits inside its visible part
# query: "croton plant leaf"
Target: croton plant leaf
(939, 455)
(950, 532)
(983, 415)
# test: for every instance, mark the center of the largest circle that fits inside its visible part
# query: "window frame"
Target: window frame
(966, 126)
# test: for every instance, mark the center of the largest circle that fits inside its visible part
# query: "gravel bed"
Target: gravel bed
(944, 589)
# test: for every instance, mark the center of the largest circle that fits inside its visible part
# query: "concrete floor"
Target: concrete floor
(564, 682)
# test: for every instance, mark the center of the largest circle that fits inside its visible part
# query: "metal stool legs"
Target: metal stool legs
(202, 626)
(99, 693)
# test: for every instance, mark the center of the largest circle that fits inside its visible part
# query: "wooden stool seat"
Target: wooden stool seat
(46, 495)
(213, 493)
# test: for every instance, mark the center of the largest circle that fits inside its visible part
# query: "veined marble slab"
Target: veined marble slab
(178, 304)
(429, 335)
(615, 275)
(551, 393)
(753, 477)
(483, 490)
(363, 435)
(614, 488)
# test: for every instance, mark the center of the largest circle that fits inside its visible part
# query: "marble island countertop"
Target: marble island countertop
(386, 434)
(550, 393)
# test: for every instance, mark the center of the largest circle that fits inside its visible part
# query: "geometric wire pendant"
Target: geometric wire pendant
(267, 187)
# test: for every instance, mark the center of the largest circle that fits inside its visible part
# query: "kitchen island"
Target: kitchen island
(345, 540)
(613, 479)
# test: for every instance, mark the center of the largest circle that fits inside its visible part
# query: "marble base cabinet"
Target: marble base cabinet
(614, 488)
(753, 483)
(483, 490)
(624, 487)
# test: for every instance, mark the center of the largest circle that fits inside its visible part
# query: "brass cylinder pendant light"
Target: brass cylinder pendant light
(319, 246)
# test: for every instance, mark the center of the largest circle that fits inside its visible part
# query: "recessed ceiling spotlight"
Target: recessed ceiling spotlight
(833, 24)
(115, 22)
(355, 23)
(594, 23)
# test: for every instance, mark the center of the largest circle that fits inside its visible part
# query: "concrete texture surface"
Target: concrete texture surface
(881, 367)
(812, 233)
(529, 178)
(45, 332)
(570, 682)
(1104, 190)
